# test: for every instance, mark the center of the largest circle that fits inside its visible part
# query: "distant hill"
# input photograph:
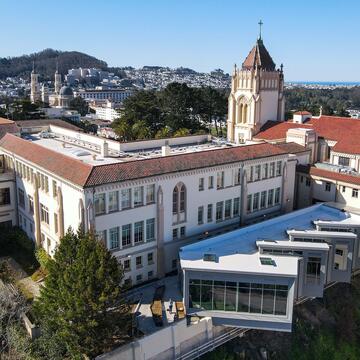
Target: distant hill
(45, 63)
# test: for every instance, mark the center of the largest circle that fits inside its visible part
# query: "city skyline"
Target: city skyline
(308, 38)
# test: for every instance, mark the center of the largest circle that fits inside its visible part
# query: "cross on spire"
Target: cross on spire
(260, 25)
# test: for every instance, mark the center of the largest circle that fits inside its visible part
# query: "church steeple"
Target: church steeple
(256, 94)
(259, 56)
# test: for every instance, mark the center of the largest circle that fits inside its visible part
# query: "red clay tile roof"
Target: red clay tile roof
(332, 175)
(8, 126)
(137, 169)
(346, 131)
(64, 166)
(292, 148)
(259, 56)
(302, 113)
(87, 175)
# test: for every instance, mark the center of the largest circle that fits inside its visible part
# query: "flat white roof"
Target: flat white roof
(237, 251)
(293, 245)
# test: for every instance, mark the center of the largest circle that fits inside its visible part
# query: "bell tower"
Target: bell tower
(256, 94)
(34, 86)
(57, 83)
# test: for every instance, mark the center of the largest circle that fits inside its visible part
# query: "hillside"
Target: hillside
(45, 62)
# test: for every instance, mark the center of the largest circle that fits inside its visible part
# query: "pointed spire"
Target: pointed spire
(33, 69)
(57, 65)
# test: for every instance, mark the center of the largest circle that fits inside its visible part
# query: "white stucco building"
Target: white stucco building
(145, 205)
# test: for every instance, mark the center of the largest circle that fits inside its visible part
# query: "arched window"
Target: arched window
(179, 202)
(182, 198)
(244, 117)
(175, 200)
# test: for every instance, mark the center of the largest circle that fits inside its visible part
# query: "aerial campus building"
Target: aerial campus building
(219, 212)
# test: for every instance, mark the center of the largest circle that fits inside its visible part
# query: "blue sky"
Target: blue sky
(316, 40)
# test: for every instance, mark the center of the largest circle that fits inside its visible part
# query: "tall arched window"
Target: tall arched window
(179, 203)
(175, 200)
(244, 117)
(182, 198)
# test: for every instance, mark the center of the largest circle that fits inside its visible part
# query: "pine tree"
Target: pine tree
(81, 302)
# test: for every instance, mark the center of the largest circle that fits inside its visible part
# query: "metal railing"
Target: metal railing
(212, 344)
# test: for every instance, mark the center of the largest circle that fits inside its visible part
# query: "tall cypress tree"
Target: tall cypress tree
(81, 301)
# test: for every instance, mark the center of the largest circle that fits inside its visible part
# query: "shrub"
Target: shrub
(42, 257)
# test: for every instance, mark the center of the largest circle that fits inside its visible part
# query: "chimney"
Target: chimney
(165, 149)
(301, 116)
(105, 150)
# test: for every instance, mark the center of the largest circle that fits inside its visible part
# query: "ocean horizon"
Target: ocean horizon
(329, 83)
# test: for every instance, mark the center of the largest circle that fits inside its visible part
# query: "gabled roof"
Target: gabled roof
(345, 131)
(259, 56)
(138, 169)
(64, 166)
(87, 175)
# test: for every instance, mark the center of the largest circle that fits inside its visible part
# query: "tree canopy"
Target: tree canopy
(177, 110)
(81, 303)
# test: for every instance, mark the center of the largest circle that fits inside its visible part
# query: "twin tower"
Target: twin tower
(256, 95)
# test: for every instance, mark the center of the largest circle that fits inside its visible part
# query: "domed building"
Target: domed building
(65, 96)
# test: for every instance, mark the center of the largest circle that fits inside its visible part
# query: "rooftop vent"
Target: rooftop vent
(267, 261)
(210, 257)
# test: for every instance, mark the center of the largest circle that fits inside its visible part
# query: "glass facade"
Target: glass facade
(254, 298)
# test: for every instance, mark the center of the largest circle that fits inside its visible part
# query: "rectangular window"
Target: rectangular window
(211, 182)
(250, 174)
(271, 197)
(228, 204)
(200, 215)
(209, 212)
(99, 200)
(236, 207)
(355, 193)
(138, 196)
(139, 277)
(21, 198)
(126, 235)
(248, 204)
(182, 231)
(201, 184)
(150, 194)
(54, 188)
(243, 297)
(272, 169)
(138, 262)
(113, 201)
(278, 168)
(343, 189)
(237, 178)
(327, 186)
(220, 180)
(5, 196)
(175, 233)
(344, 161)
(313, 270)
(277, 196)
(125, 199)
(150, 258)
(257, 173)
(138, 232)
(150, 229)
(307, 182)
(114, 238)
(127, 265)
(44, 214)
(265, 171)
(219, 210)
(230, 297)
(101, 236)
(256, 201)
(263, 200)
